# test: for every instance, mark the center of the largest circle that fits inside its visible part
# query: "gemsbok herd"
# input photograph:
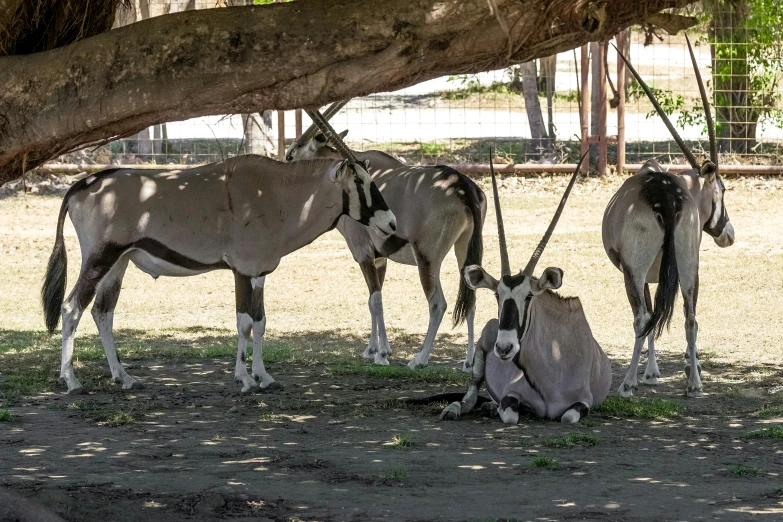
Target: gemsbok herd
(244, 214)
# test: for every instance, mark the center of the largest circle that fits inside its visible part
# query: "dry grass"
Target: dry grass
(316, 300)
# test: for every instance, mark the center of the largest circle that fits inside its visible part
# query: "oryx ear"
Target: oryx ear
(551, 279)
(320, 138)
(343, 134)
(338, 171)
(366, 164)
(476, 277)
(708, 170)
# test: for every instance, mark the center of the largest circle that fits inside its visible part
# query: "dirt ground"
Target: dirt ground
(336, 444)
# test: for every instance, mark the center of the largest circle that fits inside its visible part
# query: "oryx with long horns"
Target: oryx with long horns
(437, 209)
(539, 356)
(652, 230)
(243, 215)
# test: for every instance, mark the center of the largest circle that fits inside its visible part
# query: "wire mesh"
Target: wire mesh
(457, 119)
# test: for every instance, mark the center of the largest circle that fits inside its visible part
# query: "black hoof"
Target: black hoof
(252, 389)
(77, 391)
(136, 386)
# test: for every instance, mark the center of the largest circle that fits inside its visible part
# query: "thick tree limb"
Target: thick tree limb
(280, 56)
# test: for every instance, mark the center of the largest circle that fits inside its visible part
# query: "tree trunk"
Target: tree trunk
(595, 102)
(282, 56)
(538, 142)
(547, 73)
(259, 137)
(736, 117)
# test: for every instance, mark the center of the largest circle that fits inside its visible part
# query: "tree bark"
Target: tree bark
(535, 119)
(278, 56)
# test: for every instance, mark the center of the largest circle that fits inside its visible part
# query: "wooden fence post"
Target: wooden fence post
(585, 97)
(281, 135)
(621, 106)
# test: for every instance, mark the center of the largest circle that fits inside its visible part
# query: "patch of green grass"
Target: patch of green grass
(545, 462)
(772, 432)
(431, 148)
(642, 408)
(7, 416)
(395, 475)
(402, 441)
(428, 374)
(117, 419)
(569, 440)
(770, 410)
(745, 471)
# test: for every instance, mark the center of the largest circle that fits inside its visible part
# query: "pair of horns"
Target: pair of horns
(505, 268)
(330, 111)
(323, 124)
(665, 118)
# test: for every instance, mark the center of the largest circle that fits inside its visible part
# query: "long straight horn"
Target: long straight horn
(685, 150)
(332, 136)
(505, 268)
(531, 265)
(330, 111)
(705, 102)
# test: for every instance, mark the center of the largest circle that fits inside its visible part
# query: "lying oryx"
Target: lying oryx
(539, 356)
(437, 208)
(652, 232)
(243, 214)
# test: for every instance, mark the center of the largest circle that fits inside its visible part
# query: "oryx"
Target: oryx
(437, 208)
(652, 230)
(539, 356)
(243, 214)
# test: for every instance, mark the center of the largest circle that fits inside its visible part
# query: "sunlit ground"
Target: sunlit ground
(334, 444)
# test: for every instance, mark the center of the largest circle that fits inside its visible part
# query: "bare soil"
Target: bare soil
(190, 447)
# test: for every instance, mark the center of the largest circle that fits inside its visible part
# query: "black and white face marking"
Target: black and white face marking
(514, 294)
(362, 200)
(719, 226)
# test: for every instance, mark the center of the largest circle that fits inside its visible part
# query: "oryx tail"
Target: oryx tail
(466, 297)
(53, 290)
(669, 208)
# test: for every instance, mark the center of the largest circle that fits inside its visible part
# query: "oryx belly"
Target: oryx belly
(156, 267)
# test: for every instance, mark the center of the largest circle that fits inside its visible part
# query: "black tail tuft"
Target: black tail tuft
(466, 297)
(53, 290)
(668, 283)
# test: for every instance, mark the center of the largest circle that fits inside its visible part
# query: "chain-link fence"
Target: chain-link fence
(531, 112)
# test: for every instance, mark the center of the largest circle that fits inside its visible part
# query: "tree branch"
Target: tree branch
(280, 56)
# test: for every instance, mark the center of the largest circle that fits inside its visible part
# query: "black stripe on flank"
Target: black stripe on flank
(391, 246)
(161, 251)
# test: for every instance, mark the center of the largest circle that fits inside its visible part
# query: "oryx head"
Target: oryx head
(717, 225)
(312, 148)
(307, 145)
(515, 292)
(362, 200)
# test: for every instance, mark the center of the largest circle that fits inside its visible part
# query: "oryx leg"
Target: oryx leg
(243, 292)
(511, 406)
(634, 289)
(455, 409)
(258, 316)
(374, 271)
(72, 309)
(651, 373)
(107, 294)
(429, 275)
(689, 285)
(575, 413)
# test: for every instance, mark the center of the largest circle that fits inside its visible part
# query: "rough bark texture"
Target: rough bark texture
(535, 119)
(280, 56)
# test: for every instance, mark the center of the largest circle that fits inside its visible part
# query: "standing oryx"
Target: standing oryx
(652, 232)
(243, 214)
(437, 208)
(539, 356)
